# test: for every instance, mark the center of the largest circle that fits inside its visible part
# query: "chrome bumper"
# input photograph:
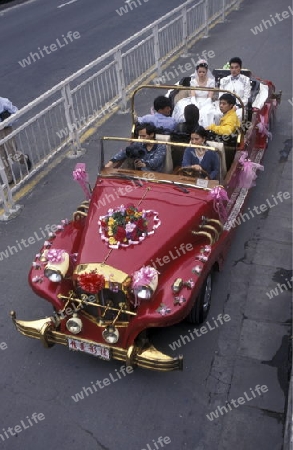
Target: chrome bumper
(146, 356)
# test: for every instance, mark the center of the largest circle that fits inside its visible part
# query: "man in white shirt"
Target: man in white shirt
(237, 83)
(8, 151)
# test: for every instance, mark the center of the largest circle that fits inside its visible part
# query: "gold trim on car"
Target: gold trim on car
(146, 356)
(111, 274)
(205, 234)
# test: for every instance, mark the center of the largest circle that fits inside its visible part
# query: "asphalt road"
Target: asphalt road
(142, 406)
(26, 27)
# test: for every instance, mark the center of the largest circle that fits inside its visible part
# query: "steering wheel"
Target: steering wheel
(191, 172)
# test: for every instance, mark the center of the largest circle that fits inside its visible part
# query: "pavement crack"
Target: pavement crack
(100, 445)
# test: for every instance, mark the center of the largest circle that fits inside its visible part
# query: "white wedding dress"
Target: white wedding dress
(204, 103)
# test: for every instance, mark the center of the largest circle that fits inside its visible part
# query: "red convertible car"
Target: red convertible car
(141, 250)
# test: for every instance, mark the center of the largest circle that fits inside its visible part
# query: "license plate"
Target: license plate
(92, 349)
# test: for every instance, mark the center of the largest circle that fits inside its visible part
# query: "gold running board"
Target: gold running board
(147, 357)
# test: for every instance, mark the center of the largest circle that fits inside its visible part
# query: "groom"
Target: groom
(237, 83)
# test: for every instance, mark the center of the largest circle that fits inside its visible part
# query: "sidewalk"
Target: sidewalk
(254, 348)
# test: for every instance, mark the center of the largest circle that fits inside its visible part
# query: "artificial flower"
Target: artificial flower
(123, 225)
(91, 282)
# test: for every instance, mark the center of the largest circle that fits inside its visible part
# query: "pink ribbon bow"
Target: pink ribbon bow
(81, 176)
(248, 173)
(55, 255)
(144, 276)
(219, 196)
(263, 129)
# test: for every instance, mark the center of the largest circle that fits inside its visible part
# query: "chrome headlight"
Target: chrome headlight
(145, 282)
(111, 334)
(57, 267)
(143, 292)
(54, 275)
(74, 324)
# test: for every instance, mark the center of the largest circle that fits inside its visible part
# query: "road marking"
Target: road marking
(67, 3)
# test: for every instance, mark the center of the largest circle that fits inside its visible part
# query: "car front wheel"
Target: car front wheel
(202, 304)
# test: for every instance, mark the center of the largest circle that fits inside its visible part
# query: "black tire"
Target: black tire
(202, 303)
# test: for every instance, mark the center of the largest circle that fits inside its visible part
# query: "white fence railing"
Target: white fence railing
(56, 119)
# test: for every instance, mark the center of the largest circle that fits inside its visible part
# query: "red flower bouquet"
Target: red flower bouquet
(91, 282)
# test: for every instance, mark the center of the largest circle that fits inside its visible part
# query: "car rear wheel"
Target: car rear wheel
(202, 304)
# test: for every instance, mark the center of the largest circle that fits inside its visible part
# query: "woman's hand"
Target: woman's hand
(196, 167)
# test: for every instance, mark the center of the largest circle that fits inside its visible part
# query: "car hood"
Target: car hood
(178, 213)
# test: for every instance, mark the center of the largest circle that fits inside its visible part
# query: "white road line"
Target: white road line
(67, 3)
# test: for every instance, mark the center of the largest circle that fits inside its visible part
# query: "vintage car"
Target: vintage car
(141, 250)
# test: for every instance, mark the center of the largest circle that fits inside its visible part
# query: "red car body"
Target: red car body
(189, 242)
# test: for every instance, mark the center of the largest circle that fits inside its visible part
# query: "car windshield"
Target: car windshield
(109, 143)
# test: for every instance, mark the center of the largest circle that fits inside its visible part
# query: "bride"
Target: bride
(203, 99)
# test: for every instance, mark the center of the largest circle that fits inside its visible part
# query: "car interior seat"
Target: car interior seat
(255, 87)
(221, 152)
(168, 166)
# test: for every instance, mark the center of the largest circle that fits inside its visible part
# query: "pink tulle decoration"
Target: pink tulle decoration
(55, 255)
(219, 196)
(81, 176)
(263, 129)
(248, 173)
(144, 276)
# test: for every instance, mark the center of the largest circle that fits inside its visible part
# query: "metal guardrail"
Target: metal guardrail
(57, 118)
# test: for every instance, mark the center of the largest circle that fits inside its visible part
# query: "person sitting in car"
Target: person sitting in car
(183, 131)
(229, 122)
(142, 156)
(205, 161)
(237, 83)
(161, 118)
(191, 116)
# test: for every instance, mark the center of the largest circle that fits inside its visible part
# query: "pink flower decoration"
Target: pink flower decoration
(163, 309)
(197, 269)
(129, 227)
(144, 276)
(37, 279)
(202, 258)
(179, 300)
(74, 257)
(190, 284)
(55, 255)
